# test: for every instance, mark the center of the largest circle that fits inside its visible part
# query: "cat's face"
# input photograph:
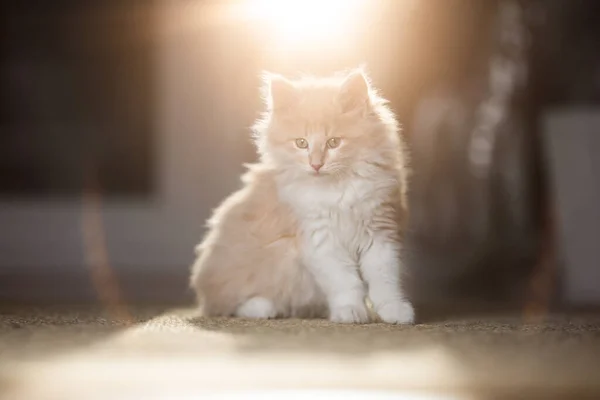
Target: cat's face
(322, 127)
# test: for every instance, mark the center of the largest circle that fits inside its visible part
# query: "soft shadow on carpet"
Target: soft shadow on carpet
(76, 353)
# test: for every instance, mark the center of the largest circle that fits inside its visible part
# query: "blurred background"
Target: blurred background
(124, 123)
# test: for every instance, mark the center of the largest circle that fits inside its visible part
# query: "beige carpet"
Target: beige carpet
(78, 353)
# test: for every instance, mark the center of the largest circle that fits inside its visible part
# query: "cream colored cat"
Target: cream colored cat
(318, 223)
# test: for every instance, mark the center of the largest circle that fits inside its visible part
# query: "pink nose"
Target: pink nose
(316, 167)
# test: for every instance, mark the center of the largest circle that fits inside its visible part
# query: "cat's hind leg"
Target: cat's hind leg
(257, 308)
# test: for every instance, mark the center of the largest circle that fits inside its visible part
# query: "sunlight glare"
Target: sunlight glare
(306, 22)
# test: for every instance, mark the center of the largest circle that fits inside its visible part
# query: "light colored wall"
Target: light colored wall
(573, 151)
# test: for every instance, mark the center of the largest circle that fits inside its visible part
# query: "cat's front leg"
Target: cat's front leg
(380, 266)
(337, 275)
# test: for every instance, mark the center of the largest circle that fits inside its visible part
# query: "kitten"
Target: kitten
(318, 223)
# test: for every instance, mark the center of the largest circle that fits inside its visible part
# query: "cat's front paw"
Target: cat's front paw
(350, 314)
(397, 312)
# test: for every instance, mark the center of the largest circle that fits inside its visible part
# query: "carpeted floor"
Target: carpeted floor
(81, 353)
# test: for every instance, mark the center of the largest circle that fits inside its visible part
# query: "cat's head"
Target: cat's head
(326, 126)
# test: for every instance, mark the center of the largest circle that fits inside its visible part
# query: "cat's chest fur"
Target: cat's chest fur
(314, 200)
(341, 213)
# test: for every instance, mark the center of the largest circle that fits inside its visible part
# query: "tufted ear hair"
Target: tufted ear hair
(355, 91)
(279, 93)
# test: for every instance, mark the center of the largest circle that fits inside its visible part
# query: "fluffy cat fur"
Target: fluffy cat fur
(318, 223)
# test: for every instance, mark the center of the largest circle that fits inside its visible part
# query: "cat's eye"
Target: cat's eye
(301, 143)
(334, 142)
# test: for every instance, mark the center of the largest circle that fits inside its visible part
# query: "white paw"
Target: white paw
(350, 314)
(397, 312)
(257, 308)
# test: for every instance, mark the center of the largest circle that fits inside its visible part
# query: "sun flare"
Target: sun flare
(305, 22)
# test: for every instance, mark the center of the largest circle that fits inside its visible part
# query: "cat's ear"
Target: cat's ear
(280, 94)
(355, 91)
